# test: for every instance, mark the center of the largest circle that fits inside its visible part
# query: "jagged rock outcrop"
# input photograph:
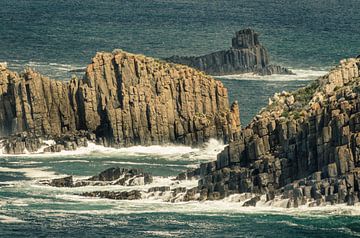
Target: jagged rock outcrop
(304, 147)
(111, 176)
(246, 55)
(125, 99)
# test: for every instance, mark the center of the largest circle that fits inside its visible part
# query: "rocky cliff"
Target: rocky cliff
(124, 99)
(304, 147)
(246, 55)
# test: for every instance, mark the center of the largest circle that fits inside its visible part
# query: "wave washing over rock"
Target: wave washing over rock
(123, 100)
(246, 55)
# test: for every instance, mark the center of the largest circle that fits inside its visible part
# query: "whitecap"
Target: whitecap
(169, 152)
(37, 173)
(8, 219)
(300, 75)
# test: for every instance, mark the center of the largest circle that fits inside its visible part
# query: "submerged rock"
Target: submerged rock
(246, 55)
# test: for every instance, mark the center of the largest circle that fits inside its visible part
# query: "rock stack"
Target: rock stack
(246, 55)
(124, 99)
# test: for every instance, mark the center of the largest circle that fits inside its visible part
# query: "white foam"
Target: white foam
(170, 152)
(71, 161)
(163, 233)
(300, 75)
(140, 163)
(207, 208)
(37, 173)
(52, 66)
(8, 219)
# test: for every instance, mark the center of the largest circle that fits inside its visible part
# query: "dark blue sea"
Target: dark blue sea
(54, 37)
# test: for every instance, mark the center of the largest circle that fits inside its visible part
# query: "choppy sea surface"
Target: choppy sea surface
(57, 36)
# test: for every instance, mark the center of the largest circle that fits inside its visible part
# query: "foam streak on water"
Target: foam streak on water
(300, 75)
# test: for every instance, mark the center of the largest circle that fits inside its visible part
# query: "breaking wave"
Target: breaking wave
(171, 152)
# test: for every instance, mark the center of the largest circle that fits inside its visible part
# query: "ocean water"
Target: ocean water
(57, 36)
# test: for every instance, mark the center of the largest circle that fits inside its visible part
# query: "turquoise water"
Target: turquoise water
(57, 36)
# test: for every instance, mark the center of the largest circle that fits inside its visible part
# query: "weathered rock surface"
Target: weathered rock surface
(246, 55)
(111, 176)
(124, 99)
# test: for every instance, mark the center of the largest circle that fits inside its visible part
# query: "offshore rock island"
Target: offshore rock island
(123, 100)
(246, 55)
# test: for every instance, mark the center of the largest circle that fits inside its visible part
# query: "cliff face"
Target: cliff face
(303, 147)
(32, 102)
(125, 99)
(247, 55)
(141, 101)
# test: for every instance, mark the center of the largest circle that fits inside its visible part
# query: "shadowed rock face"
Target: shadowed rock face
(247, 55)
(125, 99)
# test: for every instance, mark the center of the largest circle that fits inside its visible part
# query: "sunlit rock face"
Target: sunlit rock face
(124, 99)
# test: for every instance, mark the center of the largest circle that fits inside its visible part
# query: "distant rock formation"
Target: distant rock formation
(246, 55)
(124, 99)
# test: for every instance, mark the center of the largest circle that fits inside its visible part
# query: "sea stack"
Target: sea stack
(123, 99)
(246, 55)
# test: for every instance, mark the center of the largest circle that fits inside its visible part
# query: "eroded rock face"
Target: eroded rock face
(125, 99)
(303, 147)
(246, 55)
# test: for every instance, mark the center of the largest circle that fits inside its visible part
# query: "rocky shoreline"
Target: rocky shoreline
(301, 150)
(246, 55)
